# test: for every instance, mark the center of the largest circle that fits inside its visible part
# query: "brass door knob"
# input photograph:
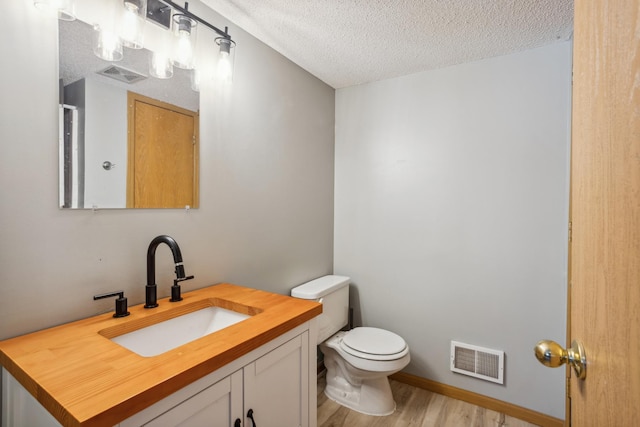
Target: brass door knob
(551, 354)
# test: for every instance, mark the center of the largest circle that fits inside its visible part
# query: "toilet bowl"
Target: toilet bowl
(357, 373)
(358, 361)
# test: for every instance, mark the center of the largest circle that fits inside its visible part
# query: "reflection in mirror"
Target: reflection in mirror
(127, 140)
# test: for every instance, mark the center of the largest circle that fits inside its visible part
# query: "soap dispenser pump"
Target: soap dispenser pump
(121, 302)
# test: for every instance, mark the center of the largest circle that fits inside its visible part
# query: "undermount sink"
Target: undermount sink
(166, 335)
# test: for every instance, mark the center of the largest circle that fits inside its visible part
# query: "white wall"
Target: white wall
(451, 210)
(106, 131)
(266, 187)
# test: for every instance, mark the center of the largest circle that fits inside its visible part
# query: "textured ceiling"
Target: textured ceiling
(349, 42)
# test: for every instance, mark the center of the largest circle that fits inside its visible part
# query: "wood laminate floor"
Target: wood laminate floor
(415, 408)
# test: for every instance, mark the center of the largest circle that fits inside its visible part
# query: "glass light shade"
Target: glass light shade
(184, 43)
(65, 9)
(195, 80)
(160, 65)
(106, 44)
(132, 23)
(225, 60)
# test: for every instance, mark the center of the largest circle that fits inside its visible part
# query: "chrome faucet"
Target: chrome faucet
(151, 298)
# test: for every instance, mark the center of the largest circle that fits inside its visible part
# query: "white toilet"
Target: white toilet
(358, 361)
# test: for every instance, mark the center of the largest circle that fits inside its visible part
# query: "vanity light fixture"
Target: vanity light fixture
(225, 61)
(184, 42)
(65, 9)
(133, 15)
(107, 44)
(127, 30)
(160, 65)
(107, 38)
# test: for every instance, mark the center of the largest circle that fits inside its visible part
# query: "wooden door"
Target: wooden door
(163, 155)
(605, 205)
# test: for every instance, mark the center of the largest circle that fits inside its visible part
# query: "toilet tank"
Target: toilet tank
(333, 293)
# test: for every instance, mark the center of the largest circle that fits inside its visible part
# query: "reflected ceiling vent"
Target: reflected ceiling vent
(122, 74)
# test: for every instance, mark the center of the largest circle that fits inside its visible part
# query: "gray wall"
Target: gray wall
(266, 186)
(451, 201)
(451, 214)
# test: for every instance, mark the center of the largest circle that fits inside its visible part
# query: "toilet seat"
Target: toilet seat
(373, 344)
(368, 363)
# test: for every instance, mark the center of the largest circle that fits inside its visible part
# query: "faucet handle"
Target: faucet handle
(175, 289)
(121, 302)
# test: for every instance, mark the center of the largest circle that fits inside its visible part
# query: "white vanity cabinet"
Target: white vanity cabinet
(276, 386)
(276, 381)
(215, 406)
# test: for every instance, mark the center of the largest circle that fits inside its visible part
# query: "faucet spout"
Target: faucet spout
(151, 288)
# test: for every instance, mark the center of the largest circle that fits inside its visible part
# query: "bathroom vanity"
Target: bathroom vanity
(262, 367)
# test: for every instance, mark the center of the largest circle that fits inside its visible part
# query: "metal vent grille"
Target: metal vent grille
(121, 74)
(478, 362)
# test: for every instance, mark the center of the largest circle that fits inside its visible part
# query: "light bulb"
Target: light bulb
(160, 65)
(106, 44)
(184, 52)
(184, 41)
(225, 60)
(132, 24)
(224, 67)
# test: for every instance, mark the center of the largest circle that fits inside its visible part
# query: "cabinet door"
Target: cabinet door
(20, 408)
(276, 386)
(216, 406)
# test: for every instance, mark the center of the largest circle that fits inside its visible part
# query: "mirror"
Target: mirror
(126, 139)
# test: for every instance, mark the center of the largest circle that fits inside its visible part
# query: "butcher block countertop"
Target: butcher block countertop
(84, 379)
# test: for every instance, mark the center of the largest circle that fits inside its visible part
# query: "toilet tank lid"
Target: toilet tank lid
(320, 287)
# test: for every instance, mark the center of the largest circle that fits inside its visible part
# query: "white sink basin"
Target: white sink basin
(169, 334)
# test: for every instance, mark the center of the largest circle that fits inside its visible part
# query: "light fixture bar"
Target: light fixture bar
(159, 13)
(186, 12)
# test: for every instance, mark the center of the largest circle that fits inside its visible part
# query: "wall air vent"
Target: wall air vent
(121, 74)
(477, 362)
